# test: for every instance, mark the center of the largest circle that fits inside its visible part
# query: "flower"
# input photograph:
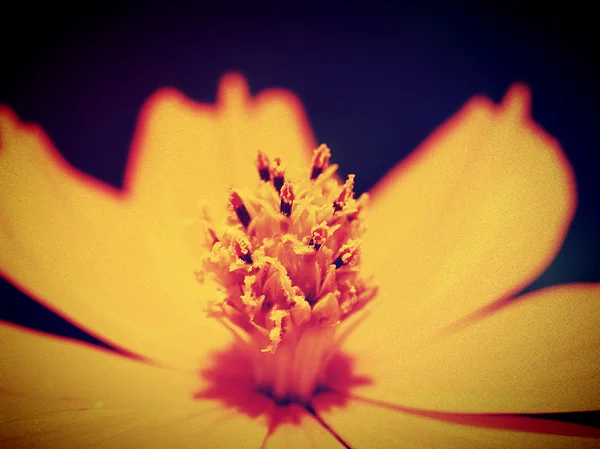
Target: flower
(439, 358)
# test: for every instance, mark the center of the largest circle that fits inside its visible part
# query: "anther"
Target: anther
(346, 194)
(318, 235)
(239, 208)
(278, 173)
(348, 255)
(286, 195)
(263, 166)
(320, 160)
(241, 246)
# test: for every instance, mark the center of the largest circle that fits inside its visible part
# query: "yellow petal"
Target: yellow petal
(537, 354)
(298, 429)
(56, 394)
(89, 253)
(474, 215)
(365, 425)
(41, 366)
(185, 152)
(183, 424)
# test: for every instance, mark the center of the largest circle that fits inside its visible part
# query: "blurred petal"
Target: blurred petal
(365, 425)
(121, 266)
(83, 250)
(56, 394)
(537, 354)
(186, 151)
(301, 431)
(473, 216)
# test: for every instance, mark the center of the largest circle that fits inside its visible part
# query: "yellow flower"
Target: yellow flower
(296, 350)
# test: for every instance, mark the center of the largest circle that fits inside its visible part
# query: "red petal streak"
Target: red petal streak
(518, 423)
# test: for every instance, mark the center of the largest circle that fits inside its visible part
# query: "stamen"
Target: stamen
(327, 311)
(239, 208)
(287, 268)
(213, 235)
(345, 195)
(287, 199)
(278, 172)
(349, 253)
(318, 235)
(320, 160)
(279, 320)
(241, 246)
(263, 167)
(359, 205)
(250, 299)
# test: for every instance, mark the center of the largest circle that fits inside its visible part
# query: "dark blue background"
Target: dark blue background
(375, 82)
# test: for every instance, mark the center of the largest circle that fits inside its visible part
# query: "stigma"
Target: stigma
(287, 264)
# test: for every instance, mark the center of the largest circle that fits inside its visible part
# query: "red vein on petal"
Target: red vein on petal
(498, 421)
(327, 427)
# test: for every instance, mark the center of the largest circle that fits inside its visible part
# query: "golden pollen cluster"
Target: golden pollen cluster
(287, 265)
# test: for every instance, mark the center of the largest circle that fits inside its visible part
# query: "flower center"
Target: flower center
(287, 268)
